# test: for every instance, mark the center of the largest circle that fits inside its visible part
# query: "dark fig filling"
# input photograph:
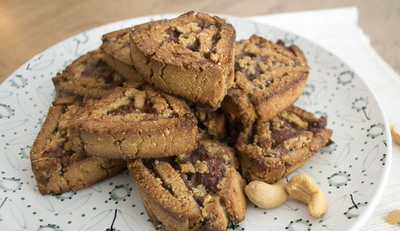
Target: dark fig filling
(150, 113)
(124, 109)
(209, 179)
(274, 145)
(173, 35)
(284, 132)
(58, 146)
(98, 70)
(315, 127)
(255, 70)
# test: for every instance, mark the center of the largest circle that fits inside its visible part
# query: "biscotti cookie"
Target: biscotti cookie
(116, 50)
(269, 78)
(199, 190)
(56, 167)
(190, 56)
(271, 150)
(89, 75)
(132, 122)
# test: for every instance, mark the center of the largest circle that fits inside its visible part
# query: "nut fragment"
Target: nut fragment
(303, 188)
(266, 195)
(393, 217)
(395, 133)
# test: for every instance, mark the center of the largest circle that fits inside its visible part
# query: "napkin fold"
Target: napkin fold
(337, 31)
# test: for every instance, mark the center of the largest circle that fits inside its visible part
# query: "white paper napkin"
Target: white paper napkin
(337, 31)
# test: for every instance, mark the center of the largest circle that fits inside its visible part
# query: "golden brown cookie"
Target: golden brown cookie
(116, 50)
(199, 190)
(271, 150)
(89, 75)
(132, 122)
(190, 56)
(57, 168)
(269, 77)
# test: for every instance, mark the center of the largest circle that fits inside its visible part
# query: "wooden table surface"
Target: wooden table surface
(29, 27)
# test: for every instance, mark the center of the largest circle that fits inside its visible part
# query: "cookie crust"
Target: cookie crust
(57, 168)
(191, 56)
(269, 77)
(269, 151)
(89, 75)
(132, 123)
(116, 50)
(200, 190)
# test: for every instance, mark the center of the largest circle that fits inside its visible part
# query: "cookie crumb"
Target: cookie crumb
(393, 217)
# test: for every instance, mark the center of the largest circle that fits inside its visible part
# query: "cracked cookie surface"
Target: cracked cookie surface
(133, 123)
(56, 167)
(190, 56)
(199, 190)
(271, 150)
(116, 50)
(88, 75)
(269, 77)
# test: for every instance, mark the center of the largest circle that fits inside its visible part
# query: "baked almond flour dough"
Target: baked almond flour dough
(132, 123)
(116, 50)
(269, 151)
(89, 75)
(57, 168)
(199, 190)
(190, 56)
(269, 77)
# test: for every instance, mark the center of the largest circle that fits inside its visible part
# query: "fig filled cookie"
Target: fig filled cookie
(56, 167)
(198, 190)
(269, 77)
(269, 151)
(190, 56)
(89, 75)
(133, 122)
(116, 50)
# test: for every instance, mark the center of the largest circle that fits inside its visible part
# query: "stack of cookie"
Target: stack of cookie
(192, 113)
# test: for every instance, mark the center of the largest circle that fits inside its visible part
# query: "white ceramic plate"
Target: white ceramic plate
(352, 172)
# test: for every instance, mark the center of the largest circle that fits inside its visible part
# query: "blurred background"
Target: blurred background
(29, 27)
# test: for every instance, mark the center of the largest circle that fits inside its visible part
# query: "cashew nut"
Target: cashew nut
(393, 217)
(395, 134)
(266, 195)
(303, 188)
